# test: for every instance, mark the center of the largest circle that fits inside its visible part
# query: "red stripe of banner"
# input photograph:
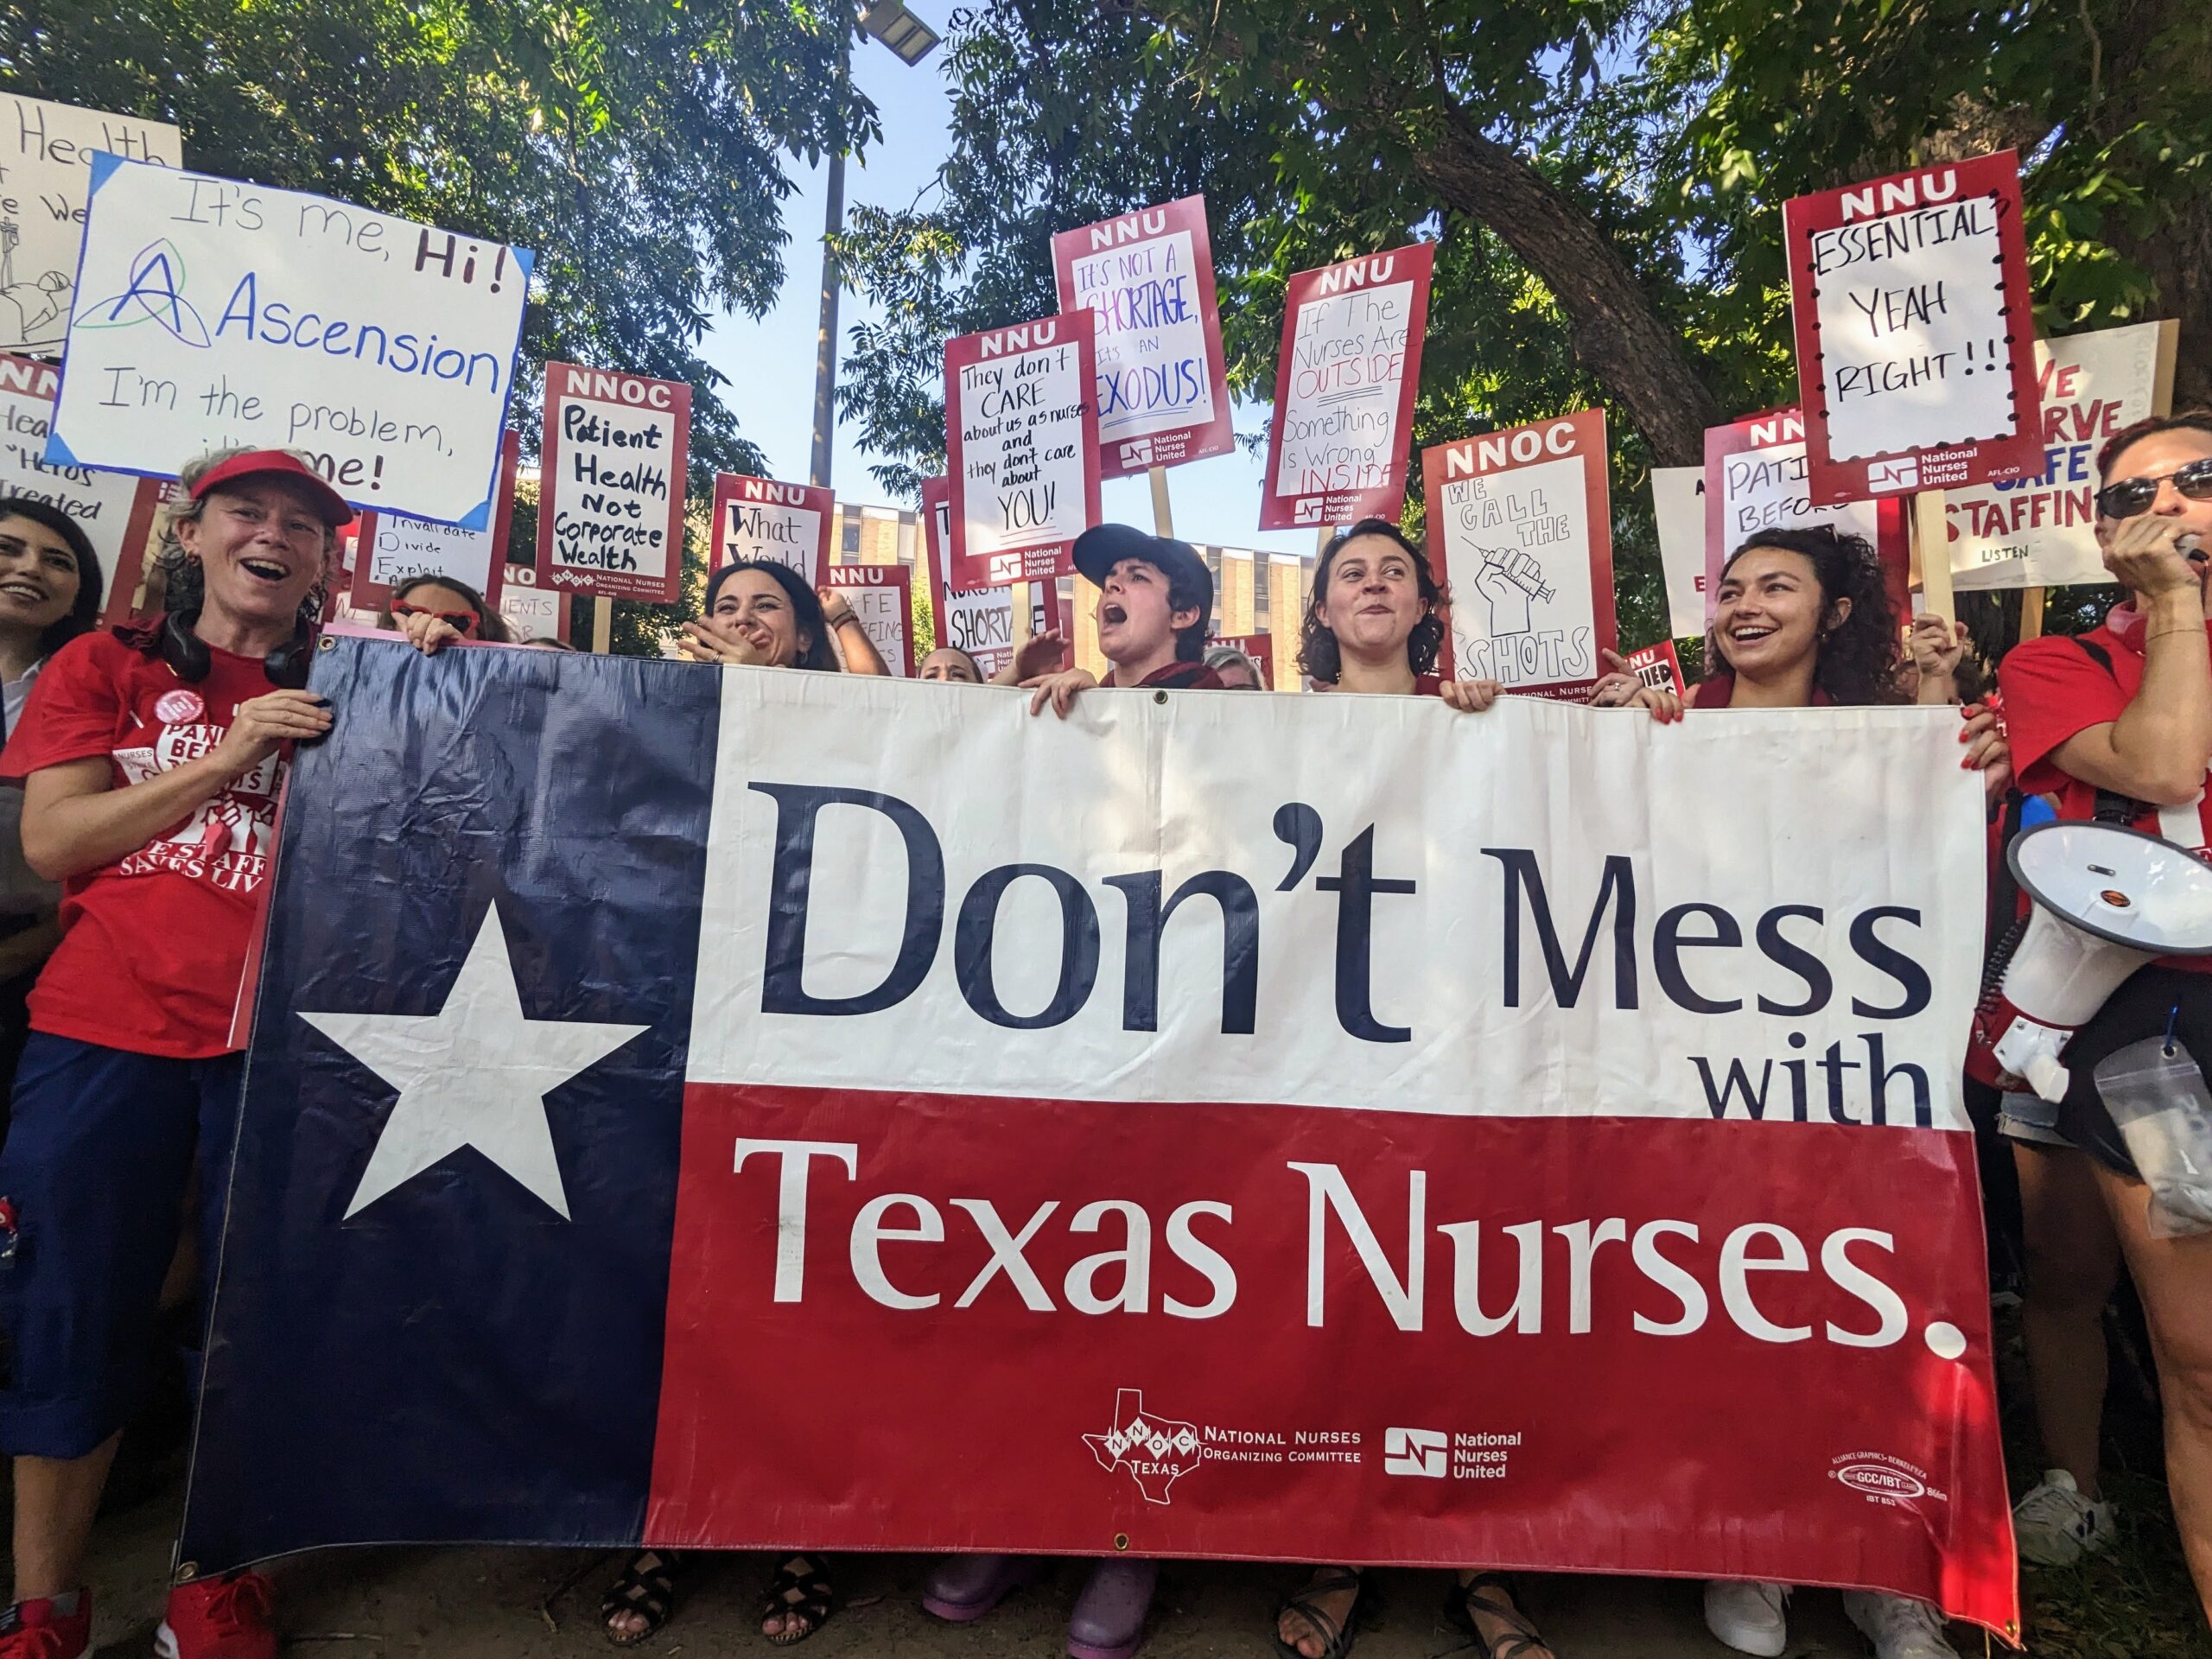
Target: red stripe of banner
(1685, 1391)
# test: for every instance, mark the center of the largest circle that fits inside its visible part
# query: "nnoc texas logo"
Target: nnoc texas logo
(1155, 1450)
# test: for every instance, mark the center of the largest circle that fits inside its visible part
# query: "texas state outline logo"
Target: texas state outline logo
(1155, 1450)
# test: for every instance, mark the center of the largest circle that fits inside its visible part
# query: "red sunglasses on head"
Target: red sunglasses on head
(461, 621)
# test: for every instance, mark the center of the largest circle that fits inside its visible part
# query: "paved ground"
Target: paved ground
(477, 1604)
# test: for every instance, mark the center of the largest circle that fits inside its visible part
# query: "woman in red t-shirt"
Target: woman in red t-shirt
(2117, 722)
(150, 764)
(1803, 620)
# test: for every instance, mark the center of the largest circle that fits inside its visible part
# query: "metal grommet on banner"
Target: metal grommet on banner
(1159, 696)
(1122, 1539)
(185, 1574)
(329, 643)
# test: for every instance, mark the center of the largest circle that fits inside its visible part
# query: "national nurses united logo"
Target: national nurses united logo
(1155, 1450)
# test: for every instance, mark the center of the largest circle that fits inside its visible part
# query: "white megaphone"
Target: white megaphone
(2108, 899)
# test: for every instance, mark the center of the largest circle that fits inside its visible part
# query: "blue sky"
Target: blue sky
(771, 363)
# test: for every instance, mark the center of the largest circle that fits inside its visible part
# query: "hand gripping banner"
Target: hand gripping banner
(1317, 1128)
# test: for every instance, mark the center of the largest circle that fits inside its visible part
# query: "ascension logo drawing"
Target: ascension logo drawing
(156, 294)
(1155, 1450)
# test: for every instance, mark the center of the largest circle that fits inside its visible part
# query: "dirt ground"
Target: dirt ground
(511, 1604)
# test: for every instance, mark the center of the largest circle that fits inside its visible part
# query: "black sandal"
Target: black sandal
(797, 1591)
(1461, 1601)
(647, 1588)
(1336, 1639)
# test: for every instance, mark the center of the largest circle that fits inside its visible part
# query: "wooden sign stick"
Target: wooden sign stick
(603, 626)
(1931, 539)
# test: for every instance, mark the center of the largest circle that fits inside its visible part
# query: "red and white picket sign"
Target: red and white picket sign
(1658, 668)
(1756, 479)
(761, 519)
(1021, 444)
(1163, 388)
(978, 621)
(1520, 531)
(1916, 355)
(610, 507)
(532, 611)
(393, 547)
(881, 596)
(1345, 388)
(115, 510)
(1261, 648)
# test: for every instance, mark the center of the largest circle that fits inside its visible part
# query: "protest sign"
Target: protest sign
(610, 513)
(394, 548)
(1147, 276)
(45, 184)
(1260, 648)
(1022, 442)
(1658, 668)
(1345, 388)
(211, 313)
(1755, 479)
(979, 621)
(1678, 509)
(531, 612)
(2040, 530)
(1911, 306)
(760, 518)
(1059, 1218)
(114, 510)
(1520, 530)
(881, 596)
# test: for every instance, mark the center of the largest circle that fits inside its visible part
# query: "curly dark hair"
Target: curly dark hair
(84, 612)
(806, 607)
(1859, 661)
(1318, 655)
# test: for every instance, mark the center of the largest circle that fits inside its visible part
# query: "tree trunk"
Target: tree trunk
(1617, 335)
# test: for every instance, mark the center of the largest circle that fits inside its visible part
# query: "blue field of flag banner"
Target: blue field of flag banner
(561, 801)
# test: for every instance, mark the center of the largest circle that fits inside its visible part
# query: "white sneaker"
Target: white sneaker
(1899, 1627)
(2056, 1526)
(1749, 1617)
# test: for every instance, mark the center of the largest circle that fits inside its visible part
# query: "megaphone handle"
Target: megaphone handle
(2044, 1074)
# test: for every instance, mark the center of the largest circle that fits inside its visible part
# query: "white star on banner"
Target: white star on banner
(474, 1074)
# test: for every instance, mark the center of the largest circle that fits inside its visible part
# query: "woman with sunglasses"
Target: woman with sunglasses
(50, 592)
(447, 601)
(759, 614)
(2118, 723)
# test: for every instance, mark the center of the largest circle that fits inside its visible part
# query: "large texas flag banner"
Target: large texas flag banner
(751, 1108)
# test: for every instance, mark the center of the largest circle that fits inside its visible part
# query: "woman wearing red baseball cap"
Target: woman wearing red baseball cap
(150, 761)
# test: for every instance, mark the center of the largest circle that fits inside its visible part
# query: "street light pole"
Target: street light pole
(912, 40)
(826, 341)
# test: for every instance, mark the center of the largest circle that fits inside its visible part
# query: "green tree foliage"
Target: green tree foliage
(639, 149)
(1606, 179)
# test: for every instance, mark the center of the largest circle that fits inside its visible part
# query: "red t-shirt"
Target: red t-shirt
(2054, 690)
(1180, 677)
(1715, 690)
(1425, 685)
(153, 946)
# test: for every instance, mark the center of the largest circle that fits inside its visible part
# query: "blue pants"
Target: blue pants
(98, 1161)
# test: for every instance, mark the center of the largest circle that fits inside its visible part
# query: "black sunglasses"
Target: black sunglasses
(2133, 495)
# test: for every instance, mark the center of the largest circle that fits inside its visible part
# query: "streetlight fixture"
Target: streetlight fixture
(912, 40)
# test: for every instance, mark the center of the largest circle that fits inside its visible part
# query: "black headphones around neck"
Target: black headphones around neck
(191, 661)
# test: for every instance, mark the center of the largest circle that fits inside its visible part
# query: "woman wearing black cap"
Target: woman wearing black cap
(150, 761)
(1154, 596)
